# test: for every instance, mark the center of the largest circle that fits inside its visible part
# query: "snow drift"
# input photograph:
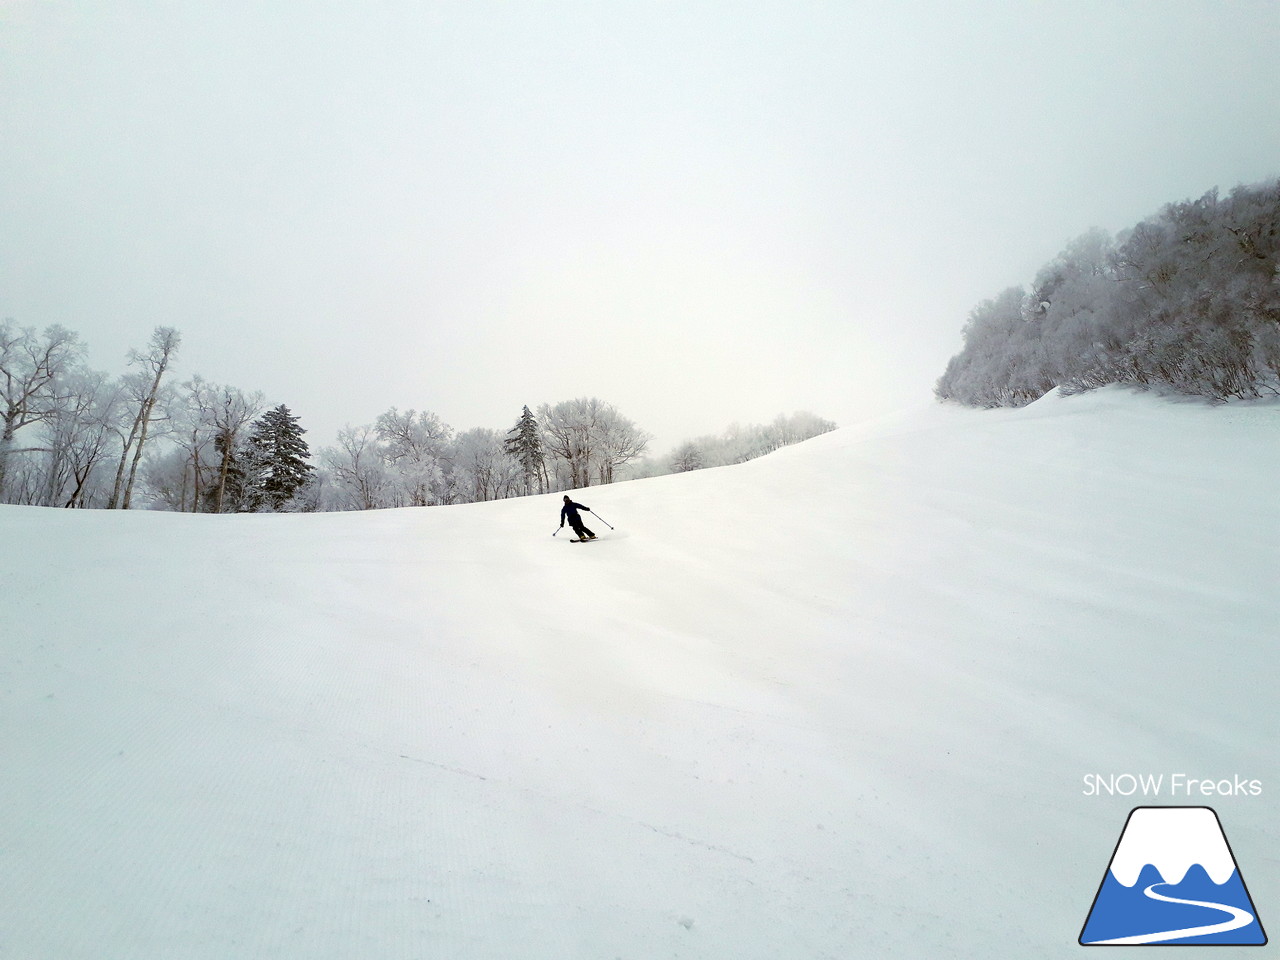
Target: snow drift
(834, 702)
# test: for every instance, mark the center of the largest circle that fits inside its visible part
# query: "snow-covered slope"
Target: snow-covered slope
(835, 702)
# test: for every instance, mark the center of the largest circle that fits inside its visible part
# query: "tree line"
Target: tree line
(1187, 300)
(739, 443)
(413, 458)
(74, 437)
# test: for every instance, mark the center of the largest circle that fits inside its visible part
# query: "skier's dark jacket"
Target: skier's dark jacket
(570, 510)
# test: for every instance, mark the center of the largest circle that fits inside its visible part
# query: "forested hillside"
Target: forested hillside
(72, 436)
(1188, 299)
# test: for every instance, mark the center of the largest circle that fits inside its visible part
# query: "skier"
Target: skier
(570, 510)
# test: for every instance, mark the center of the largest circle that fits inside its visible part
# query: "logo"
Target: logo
(1172, 879)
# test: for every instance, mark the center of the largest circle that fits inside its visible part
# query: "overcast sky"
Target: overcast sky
(700, 212)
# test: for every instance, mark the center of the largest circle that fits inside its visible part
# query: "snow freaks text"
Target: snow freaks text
(1173, 786)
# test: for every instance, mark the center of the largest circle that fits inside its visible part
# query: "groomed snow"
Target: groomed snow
(837, 702)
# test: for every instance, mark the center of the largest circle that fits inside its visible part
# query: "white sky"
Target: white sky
(700, 212)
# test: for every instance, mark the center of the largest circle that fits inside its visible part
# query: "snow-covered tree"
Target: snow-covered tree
(276, 459)
(357, 475)
(739, 443)
(224, 412)
(482, 467)
(1187, 299)
(233, 492)
(618, 442)
(688, 456)
(169, 480)
(569, 436)
(80, 441)
(144, 392)
(31, 367)
(1003, 361)
(587, 438)
(524, 444)
(415, 446)
(193, 433)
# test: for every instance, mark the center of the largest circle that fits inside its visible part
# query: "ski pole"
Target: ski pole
(601, 519)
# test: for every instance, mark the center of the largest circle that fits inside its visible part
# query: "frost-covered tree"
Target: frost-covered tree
(688, 456)
(31, 368)
(144, 392)
(224, 412)
(618, 442)
(276, 459)
(169, 480)
(1187, 300)
(233, 492)
(415, 447)
(587, 438)
(524, 444)
(739, 443)
(482, 467)
(63, 457)
(569, 437)
(194, 434)
(357, 474)
(80, 441)
(1004, 359)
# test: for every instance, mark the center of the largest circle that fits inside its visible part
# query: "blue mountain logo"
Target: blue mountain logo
(1172, 880)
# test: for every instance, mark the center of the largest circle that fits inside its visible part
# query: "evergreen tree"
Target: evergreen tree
(276, 456)
(524, 444)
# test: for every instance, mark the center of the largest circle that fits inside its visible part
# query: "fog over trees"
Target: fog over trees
(738, 443)
(1187, 300)
(75, 437)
